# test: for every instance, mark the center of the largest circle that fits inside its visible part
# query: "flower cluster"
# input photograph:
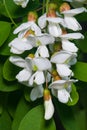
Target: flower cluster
(52, 52)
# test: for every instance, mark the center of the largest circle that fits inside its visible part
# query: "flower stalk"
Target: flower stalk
(4, 2)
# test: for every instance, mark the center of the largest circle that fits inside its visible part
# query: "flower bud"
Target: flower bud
(52, 6)
(31, 56)
(56, 76)
(52, 10)
(32, 16)
(48, 105)
(64, 7)
(47, 95)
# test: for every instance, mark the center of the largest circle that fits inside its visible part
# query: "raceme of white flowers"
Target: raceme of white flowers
(47, 69)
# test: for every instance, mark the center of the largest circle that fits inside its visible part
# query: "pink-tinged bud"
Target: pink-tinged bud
(64, 7)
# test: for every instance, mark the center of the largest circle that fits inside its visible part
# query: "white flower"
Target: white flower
(64, 70)
(61, 89)
(54, 27)
(53, 24)
(23, 3)
(25, 74)
(39, 63)
(49, 109)
(66, 44)
(41, 42)
(63, 60)
(32, 69)
(22, 43)
(19, 45)
(36, 92)
(64, 57)
(70, 21)
(32, 74)
(23, 28)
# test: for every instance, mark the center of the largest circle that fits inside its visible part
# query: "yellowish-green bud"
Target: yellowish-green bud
(55, 75)
(47, 95)
(52, 6)
(31, 55)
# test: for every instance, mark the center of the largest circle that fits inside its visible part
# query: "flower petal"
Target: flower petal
(37, 78)
(15, 50)
(54, 20)
(23, 3)
(74, 12)
(72, 61)
(62, 57)
(36, 29)
(42, 21)
(42, 51)
(60, 84)
(54, 29)
(23, 75)
(21, 44)
(22, 27)
(42, 63)
(72, 36)
(45, 39)
(69, 46)
(72, 23)
(16, 60)
(63, 70)
(37, 92)
(63, 96)
(49, 109)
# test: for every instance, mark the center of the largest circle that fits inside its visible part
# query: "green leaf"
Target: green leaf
(22, 108)
(5, 49)
(81, 120)
(5, 121)
(74, 96)
(80, 71)
(82, 17)
(13, 99)
(16, 11)
(66, 116)
(82, 43)
(6, 86)
(1, 109)
(10, 71)
(34, 120)
(5, 28)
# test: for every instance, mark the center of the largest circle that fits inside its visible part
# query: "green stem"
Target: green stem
(43, 11)
(9, 13)
(47, 3)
